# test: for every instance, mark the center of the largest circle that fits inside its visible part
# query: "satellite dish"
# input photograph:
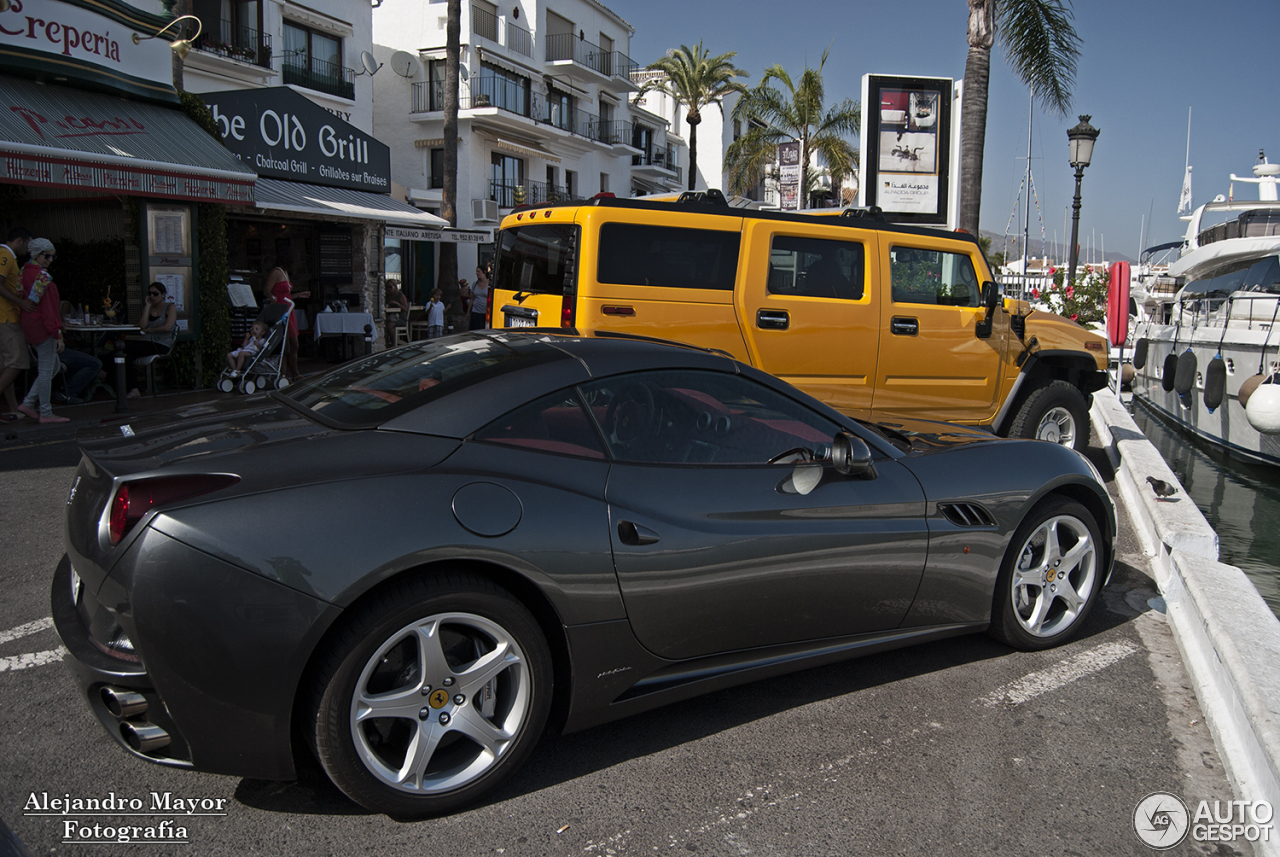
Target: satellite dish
(370, 64)
(402, 63)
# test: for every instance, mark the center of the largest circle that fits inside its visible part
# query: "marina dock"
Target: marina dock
(1228, 637)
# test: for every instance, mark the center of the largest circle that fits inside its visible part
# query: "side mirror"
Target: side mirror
(990, 300)
(850, 456)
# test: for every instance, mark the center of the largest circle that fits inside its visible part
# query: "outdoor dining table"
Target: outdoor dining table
(119, 356)
(345, 324)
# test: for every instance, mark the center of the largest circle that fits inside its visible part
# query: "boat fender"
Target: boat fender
(1127, 374)
(1246, 389)
(1263, 410)
(1184, 377)
(1170, 370)
(1215, 383)
(1140, 354)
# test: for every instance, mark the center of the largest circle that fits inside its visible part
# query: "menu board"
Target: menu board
(336, 257)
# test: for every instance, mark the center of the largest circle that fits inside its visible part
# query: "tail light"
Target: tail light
(488, 311)
(137, 497)
(566, 311)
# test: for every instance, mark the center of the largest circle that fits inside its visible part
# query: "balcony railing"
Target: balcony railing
(615, 133)
(226, 39)
(510, 194)
(567, 46)
(319, 75)
(484, 23)
(519, 40)
(481, 91)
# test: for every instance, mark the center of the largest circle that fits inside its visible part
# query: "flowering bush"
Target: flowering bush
(1083, 301)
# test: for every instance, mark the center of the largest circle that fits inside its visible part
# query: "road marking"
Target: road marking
(24, 630)
(1077, 667)
(35, 659)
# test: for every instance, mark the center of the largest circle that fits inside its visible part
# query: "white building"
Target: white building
(544, 114)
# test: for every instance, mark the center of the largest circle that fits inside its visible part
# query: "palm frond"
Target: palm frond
(1042, 46)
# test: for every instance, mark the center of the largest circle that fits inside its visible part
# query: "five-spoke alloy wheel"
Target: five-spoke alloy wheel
(1050, 577)
(434, 695)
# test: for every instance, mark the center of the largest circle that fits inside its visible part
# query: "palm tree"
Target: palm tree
(695, 79)
(1041, 45)
(794, 113)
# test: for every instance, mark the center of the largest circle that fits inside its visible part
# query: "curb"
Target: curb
(1228, 637)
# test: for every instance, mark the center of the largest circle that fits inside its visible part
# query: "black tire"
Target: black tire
(1037, 604)
(412, 651)
(1057, 413)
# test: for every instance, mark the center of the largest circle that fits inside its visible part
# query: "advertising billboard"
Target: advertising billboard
(906, 147)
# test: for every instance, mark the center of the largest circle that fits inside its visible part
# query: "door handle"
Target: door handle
(901, 326)
(634, 534)
(773, 319)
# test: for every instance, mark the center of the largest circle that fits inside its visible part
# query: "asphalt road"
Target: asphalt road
(959, 747)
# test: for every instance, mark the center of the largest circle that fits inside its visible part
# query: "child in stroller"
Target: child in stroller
(264, 368)
(253, 342)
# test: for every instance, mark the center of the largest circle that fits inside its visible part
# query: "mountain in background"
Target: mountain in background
(1057, 253)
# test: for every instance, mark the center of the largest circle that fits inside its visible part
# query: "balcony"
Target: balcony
(319, 75)
(245, 44)
(511, 194)
(615, 66)
(615, 133)
(656, 165)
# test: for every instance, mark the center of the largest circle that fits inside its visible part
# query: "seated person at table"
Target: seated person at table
(43, 331)
(396, 298)
(158, 329)
(253, 342)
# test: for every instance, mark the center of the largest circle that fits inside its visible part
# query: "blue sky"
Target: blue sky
(1143, 64)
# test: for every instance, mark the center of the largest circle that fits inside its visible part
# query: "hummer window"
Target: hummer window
(933, 277)
(640, 255)
(816, 268)
(539, 259)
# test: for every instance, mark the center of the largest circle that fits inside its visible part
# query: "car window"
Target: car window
(383, 386)
(702, 417)
(933, 277)
(816, 268)
(536, 259)
(556, 423)
(634, 254)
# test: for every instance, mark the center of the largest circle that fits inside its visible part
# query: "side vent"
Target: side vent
(484, 210)
(966, 515)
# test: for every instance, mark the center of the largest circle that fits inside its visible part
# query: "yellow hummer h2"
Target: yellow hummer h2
(877, 320)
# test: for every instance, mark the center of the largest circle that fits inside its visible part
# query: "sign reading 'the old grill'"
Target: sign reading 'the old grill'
(281, 134)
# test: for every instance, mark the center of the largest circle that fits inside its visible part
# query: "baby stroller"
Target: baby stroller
(266, 369)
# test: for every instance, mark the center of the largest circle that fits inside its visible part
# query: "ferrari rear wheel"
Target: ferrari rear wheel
(433, 694)
(1050, 577)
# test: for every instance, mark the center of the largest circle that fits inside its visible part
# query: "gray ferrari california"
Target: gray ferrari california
(415, 564)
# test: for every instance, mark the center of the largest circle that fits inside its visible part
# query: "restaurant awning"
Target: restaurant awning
(279, 195)
(52, 136)
(527, 149)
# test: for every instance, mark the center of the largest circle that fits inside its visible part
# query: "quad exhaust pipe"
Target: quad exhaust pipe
(142, 736)
(124, 703)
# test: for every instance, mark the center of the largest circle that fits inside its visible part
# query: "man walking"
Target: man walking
(13, 345)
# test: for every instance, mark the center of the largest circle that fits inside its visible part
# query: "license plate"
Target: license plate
(517, 321)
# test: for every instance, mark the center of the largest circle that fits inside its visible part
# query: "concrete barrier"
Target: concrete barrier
(1229, 638)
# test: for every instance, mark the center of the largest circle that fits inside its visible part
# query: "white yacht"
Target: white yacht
(1206, 344)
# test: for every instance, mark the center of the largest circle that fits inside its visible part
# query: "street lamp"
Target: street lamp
(1081, 139)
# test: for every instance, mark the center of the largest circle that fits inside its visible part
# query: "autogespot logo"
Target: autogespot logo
(1160, 820)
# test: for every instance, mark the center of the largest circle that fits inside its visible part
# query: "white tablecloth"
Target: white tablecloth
(350, 323)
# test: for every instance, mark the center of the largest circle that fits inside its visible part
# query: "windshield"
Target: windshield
(371, 391)
(539, 259)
